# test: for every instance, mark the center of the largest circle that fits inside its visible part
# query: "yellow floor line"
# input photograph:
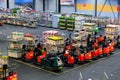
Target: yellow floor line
(36, 67)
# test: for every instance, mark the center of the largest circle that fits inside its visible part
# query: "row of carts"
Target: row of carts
(56, 52)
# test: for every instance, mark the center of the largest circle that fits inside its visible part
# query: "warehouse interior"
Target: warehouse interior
(59, 39)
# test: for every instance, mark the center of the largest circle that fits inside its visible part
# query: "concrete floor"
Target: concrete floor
(94, 70)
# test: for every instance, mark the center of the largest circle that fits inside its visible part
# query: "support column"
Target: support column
(7, 3)
(75, 5)
(95, 8)
(39, 5)
(34, 4)
(59, 6)
(3, 4)
(43, 5)
(119, 10)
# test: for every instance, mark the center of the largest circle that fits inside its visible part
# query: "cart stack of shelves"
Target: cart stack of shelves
(54, 44)
(62, 22)
(30, 41)
(3, 61)
(80, 37)
(70, 23)
(89, 28)
(112, 31)
(15, 48)
(79, 20)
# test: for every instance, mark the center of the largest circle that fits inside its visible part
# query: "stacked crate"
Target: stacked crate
(49, 33)
(3, 60)
(15, 48)
(70, 23)
(30, 41)
(89, 28)
(79, 20)
(54, 44)
(112, 31)
(80, 37)
(62, 22)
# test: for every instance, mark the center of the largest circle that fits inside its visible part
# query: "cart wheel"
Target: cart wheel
(111, 53)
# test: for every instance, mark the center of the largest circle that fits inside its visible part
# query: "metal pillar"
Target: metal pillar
(110, 7)
(7, 3)
(119, 10)
(95, 8)
(75, 5)
(34, 1)
(59, 6)
(56, 6)
(102, 8)
(43, 5)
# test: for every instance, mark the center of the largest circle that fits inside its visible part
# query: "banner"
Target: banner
(67, 2)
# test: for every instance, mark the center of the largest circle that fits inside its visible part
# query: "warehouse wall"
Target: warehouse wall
(11, 4)
(3, 3)
(51, 5)
(39, 5)
(67, 9)
(107, 9)
(87, 6)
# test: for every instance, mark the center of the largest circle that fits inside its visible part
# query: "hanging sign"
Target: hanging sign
(67, 2)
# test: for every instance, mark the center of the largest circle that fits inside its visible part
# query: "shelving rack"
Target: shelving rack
(15, 48)
(89, 28)
(112, 31)
(70, 23)
(3, 61)
(30, 41)
(79, 20)
(80, 37)
(62, 22)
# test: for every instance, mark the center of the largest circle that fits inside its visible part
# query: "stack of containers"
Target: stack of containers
(15, 49)
(49, 33)
(112, 31)
(62, 22)
(70, 23)
(3, 60)
(79, 20)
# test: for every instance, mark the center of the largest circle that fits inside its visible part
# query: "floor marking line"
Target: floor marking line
(106, 75)
(80, 66)
(81, 77)
(36, 67)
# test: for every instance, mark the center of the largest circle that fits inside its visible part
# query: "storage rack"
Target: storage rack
(79, 20)
(89, 28)
(30, 41)
(112, 31)
(80, 37)
(3, 61)
(15, 48)
(62, 22)
(70, 23)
